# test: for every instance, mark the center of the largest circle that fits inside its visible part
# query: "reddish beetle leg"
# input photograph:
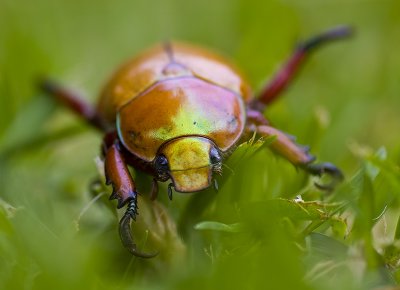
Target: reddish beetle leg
(299, 156)
(116, 170)
(284, 76)
(117, 174)
(284, 144)
(124, 190)
(75, 103)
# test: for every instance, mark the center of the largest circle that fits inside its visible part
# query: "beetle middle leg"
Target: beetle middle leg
(300, 156)
(286, 74)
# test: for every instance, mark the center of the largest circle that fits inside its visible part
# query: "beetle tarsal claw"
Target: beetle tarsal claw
(329, 169)
(125, 232)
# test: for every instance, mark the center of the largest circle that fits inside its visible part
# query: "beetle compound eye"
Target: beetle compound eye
(161, 163)
(162, 160)
(215, 157)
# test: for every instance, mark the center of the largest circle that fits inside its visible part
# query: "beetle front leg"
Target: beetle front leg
(300, 156)
(117, 174)
(124, 190)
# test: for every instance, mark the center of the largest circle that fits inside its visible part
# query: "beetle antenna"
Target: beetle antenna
(216, 188)
(125, 231)
(170, 190)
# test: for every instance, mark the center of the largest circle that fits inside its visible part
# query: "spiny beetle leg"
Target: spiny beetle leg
(285, 146)
(124, 190)
(300, 156)
(118, 175)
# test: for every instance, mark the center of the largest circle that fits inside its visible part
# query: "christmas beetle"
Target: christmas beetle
(176, 112)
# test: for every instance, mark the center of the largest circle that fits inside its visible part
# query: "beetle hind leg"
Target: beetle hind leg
(285, 75)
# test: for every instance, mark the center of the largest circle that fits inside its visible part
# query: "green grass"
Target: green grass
(251, 234)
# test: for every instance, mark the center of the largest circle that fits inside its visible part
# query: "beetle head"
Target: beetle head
(189, 161)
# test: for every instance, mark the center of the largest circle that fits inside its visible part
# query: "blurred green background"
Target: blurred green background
(251, 235)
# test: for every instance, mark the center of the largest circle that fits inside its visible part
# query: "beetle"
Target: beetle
(178, 111)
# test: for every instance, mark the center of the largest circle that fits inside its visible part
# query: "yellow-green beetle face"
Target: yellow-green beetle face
(189, 161)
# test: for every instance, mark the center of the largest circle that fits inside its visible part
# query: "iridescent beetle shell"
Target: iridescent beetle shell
(175, 91)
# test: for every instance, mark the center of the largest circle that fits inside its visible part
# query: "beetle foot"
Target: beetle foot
(125, 231)
(326, 168)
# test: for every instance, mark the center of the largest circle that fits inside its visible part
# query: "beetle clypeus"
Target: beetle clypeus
(176, 112)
